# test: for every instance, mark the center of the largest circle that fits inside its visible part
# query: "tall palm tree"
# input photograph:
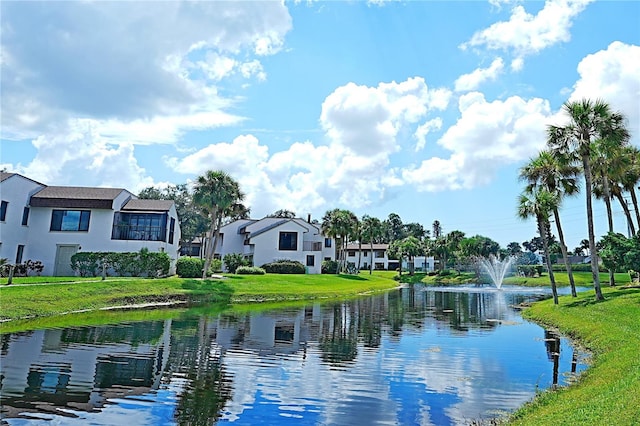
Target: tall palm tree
(539, 203)
(215, 192)
(371, 231)
(588, 121)
(631, 177)
(558, 175)
(339, 224)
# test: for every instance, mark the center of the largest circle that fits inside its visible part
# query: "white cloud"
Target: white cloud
(525, 34)
(474, 79)
(423, 130)
(128, 61)
(362, 126)
(487, 136)
(614, 76)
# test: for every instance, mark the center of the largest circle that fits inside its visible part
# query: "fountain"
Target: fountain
(496, 268)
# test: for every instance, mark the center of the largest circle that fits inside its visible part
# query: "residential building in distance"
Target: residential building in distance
(270, 239)
(364, 256)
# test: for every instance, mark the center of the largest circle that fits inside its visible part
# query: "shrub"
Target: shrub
(233, 261)
(216, 266)
(329, 267)
(189, 267)
(250, 270)
(137, 264)
(284, 267)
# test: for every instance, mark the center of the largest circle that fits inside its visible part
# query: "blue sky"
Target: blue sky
(425, 109)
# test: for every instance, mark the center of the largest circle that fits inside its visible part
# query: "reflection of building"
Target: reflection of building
(81, 368)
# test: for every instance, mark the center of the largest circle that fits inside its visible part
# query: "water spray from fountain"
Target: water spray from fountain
(496, 268)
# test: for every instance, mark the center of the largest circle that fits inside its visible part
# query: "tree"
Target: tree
(556, 174)
(339, 224)
(283, 213)
(437, 229)
(416, 230)
(215, 192)
(394, 229)
(533, 245)
(514, 249)
(371, 232)
(539, 203)
(589, 121)
(631, 178)
(407, 248)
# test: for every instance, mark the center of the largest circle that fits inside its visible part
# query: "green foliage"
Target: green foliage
(619, 253)
(137, 264)
(189, 267)
(233, 261)
(216, 266)
(530, 270)
(575, 267)
(250, 270)
(329, 267)
(284, 267)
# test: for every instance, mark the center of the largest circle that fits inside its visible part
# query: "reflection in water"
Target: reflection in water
(411, 356)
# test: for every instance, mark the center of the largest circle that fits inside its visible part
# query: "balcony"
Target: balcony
(312, 246)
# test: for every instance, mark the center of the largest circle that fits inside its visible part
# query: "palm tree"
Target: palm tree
(215, 192)
(339, 224)
(631, 177)
(539, 203)
(371, 232)
(588, 121)
(557, 175)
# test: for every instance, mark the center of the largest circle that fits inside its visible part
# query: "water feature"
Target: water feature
(413, 356)
(496, 268)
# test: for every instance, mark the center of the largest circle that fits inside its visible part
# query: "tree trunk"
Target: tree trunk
(211, 247)
(627, 213)
(371, 262)
(592, 239)
(359, 254)
(607, 202)
(542, 228)
(565, 256)
(634, 199)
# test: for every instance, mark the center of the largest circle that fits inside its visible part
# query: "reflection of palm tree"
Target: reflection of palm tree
(342, 343)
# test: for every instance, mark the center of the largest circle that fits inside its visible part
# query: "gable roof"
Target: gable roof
(6, 175)
(76, 197)
(145, 205)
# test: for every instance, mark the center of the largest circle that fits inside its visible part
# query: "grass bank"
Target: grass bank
(609, 391)
(582, 279)
(41, 297)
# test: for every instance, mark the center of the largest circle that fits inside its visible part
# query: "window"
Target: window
(311, 260)
(172, 230)
(365, 253)
(3, 210)
(70, 220)
(379, 254)
(288, 241)
(25, 216)
(327, 242)
(379, 266)
(351, 253)
(19, 254)
(139, 226)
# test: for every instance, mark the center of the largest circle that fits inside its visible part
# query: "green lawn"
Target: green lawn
(608, 393)
(38, 297)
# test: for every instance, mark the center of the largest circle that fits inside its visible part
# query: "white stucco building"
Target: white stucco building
(270, 239)
(52, 223)
(365, 256)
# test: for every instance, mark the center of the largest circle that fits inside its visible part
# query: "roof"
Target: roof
(148, 205)
(6, 175)
(76, 197)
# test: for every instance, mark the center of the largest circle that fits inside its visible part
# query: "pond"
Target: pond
(413, 356)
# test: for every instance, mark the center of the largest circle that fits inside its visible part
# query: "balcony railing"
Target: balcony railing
(312, 246)
(139, 233)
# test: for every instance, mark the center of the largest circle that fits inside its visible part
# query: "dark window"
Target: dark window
(25, 216)
(327, 242)
(351, 253)
(172, 230)
(139, 226)
(70, 220)
(311, 260)
(288, 241)
(3, 210)
(19, 254)
(365, 253)
(379, 254)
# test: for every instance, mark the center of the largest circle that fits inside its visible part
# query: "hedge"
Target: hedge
(135, 264)
(284, 267)
(189, 267)
(250, 270)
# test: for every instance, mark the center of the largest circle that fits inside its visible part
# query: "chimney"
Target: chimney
(309, 218)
